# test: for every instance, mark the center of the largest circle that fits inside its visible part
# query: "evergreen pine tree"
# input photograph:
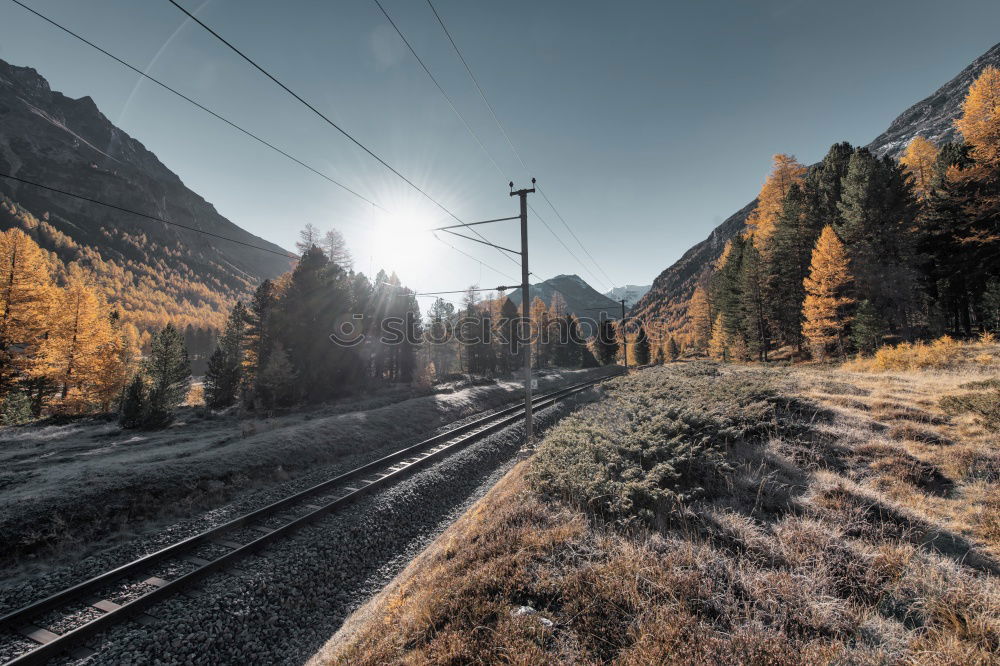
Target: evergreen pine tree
(754, 324)
(134, 403)
(277, 380)
(169, 373)
(577, 353)
(225, 366)
(606, 344)
(258, 340)
(867, 328)
(792, 244)
(878, 214)
(727, 295)
(640, 346)
(673, 351)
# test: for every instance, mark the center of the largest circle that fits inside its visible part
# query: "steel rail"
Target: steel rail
(382, 471)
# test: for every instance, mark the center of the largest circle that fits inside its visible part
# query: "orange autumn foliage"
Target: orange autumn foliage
(823, 307)
(761, 222)
(980, 119)
(918, 161)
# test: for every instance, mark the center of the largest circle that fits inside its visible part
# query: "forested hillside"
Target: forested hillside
(153, 273)
(861, 250)
(932, 118)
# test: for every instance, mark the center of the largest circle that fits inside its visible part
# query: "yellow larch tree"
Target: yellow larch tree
(700, 318)
(918, 161)
(980, 119)
(719, 342)
(71, 356)
(761, 222)
(825, 301)
(118, 360)
(26, 295)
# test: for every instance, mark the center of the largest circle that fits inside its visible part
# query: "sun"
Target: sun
(404, 243)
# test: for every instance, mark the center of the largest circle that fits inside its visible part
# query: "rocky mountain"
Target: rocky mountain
(154, 271)
(630, 292)
(933, 118)
(581, 299)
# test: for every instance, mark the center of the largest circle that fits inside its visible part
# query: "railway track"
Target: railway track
(130, 590)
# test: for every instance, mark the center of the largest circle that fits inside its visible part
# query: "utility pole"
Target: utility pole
(525, 307)
(624, 336)
(525, 274)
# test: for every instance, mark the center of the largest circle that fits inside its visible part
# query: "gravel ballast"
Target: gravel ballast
(286, 602)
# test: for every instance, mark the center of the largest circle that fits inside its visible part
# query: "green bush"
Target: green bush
(657, 440)
(16, 408)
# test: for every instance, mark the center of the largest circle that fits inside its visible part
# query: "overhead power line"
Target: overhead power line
(440, 89)
(476, 82)
(468, 127)
(145, 215)
(320, 114)
(481, 262)
(496, 119)
(195, 103)
(578, 241)
(214, 114)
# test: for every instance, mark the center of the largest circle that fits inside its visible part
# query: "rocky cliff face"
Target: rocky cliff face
(69, 144)
(933, 118)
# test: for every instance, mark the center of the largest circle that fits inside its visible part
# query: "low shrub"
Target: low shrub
(941, 353)
(984, 404)
(658, 440)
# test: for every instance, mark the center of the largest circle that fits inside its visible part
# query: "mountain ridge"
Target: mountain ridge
(581, 299)
(67, 143)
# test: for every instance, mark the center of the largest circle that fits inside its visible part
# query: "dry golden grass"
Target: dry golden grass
(861, 525)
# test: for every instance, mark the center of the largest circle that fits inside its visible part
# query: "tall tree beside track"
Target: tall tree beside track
(825, 307)
(225, 366)
(335, 247)
(78, 337)
(169, 376)
(26, 298)
(606, 344)
(640, 346)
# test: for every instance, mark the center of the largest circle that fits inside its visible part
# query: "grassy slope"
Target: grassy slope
(841, 516)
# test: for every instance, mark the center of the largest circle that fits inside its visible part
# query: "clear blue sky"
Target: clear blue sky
(647, 123)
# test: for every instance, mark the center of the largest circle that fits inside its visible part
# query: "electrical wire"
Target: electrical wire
(201, 106)
(321, 115)
(139, 214)
(195, 103)
(514, 150)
